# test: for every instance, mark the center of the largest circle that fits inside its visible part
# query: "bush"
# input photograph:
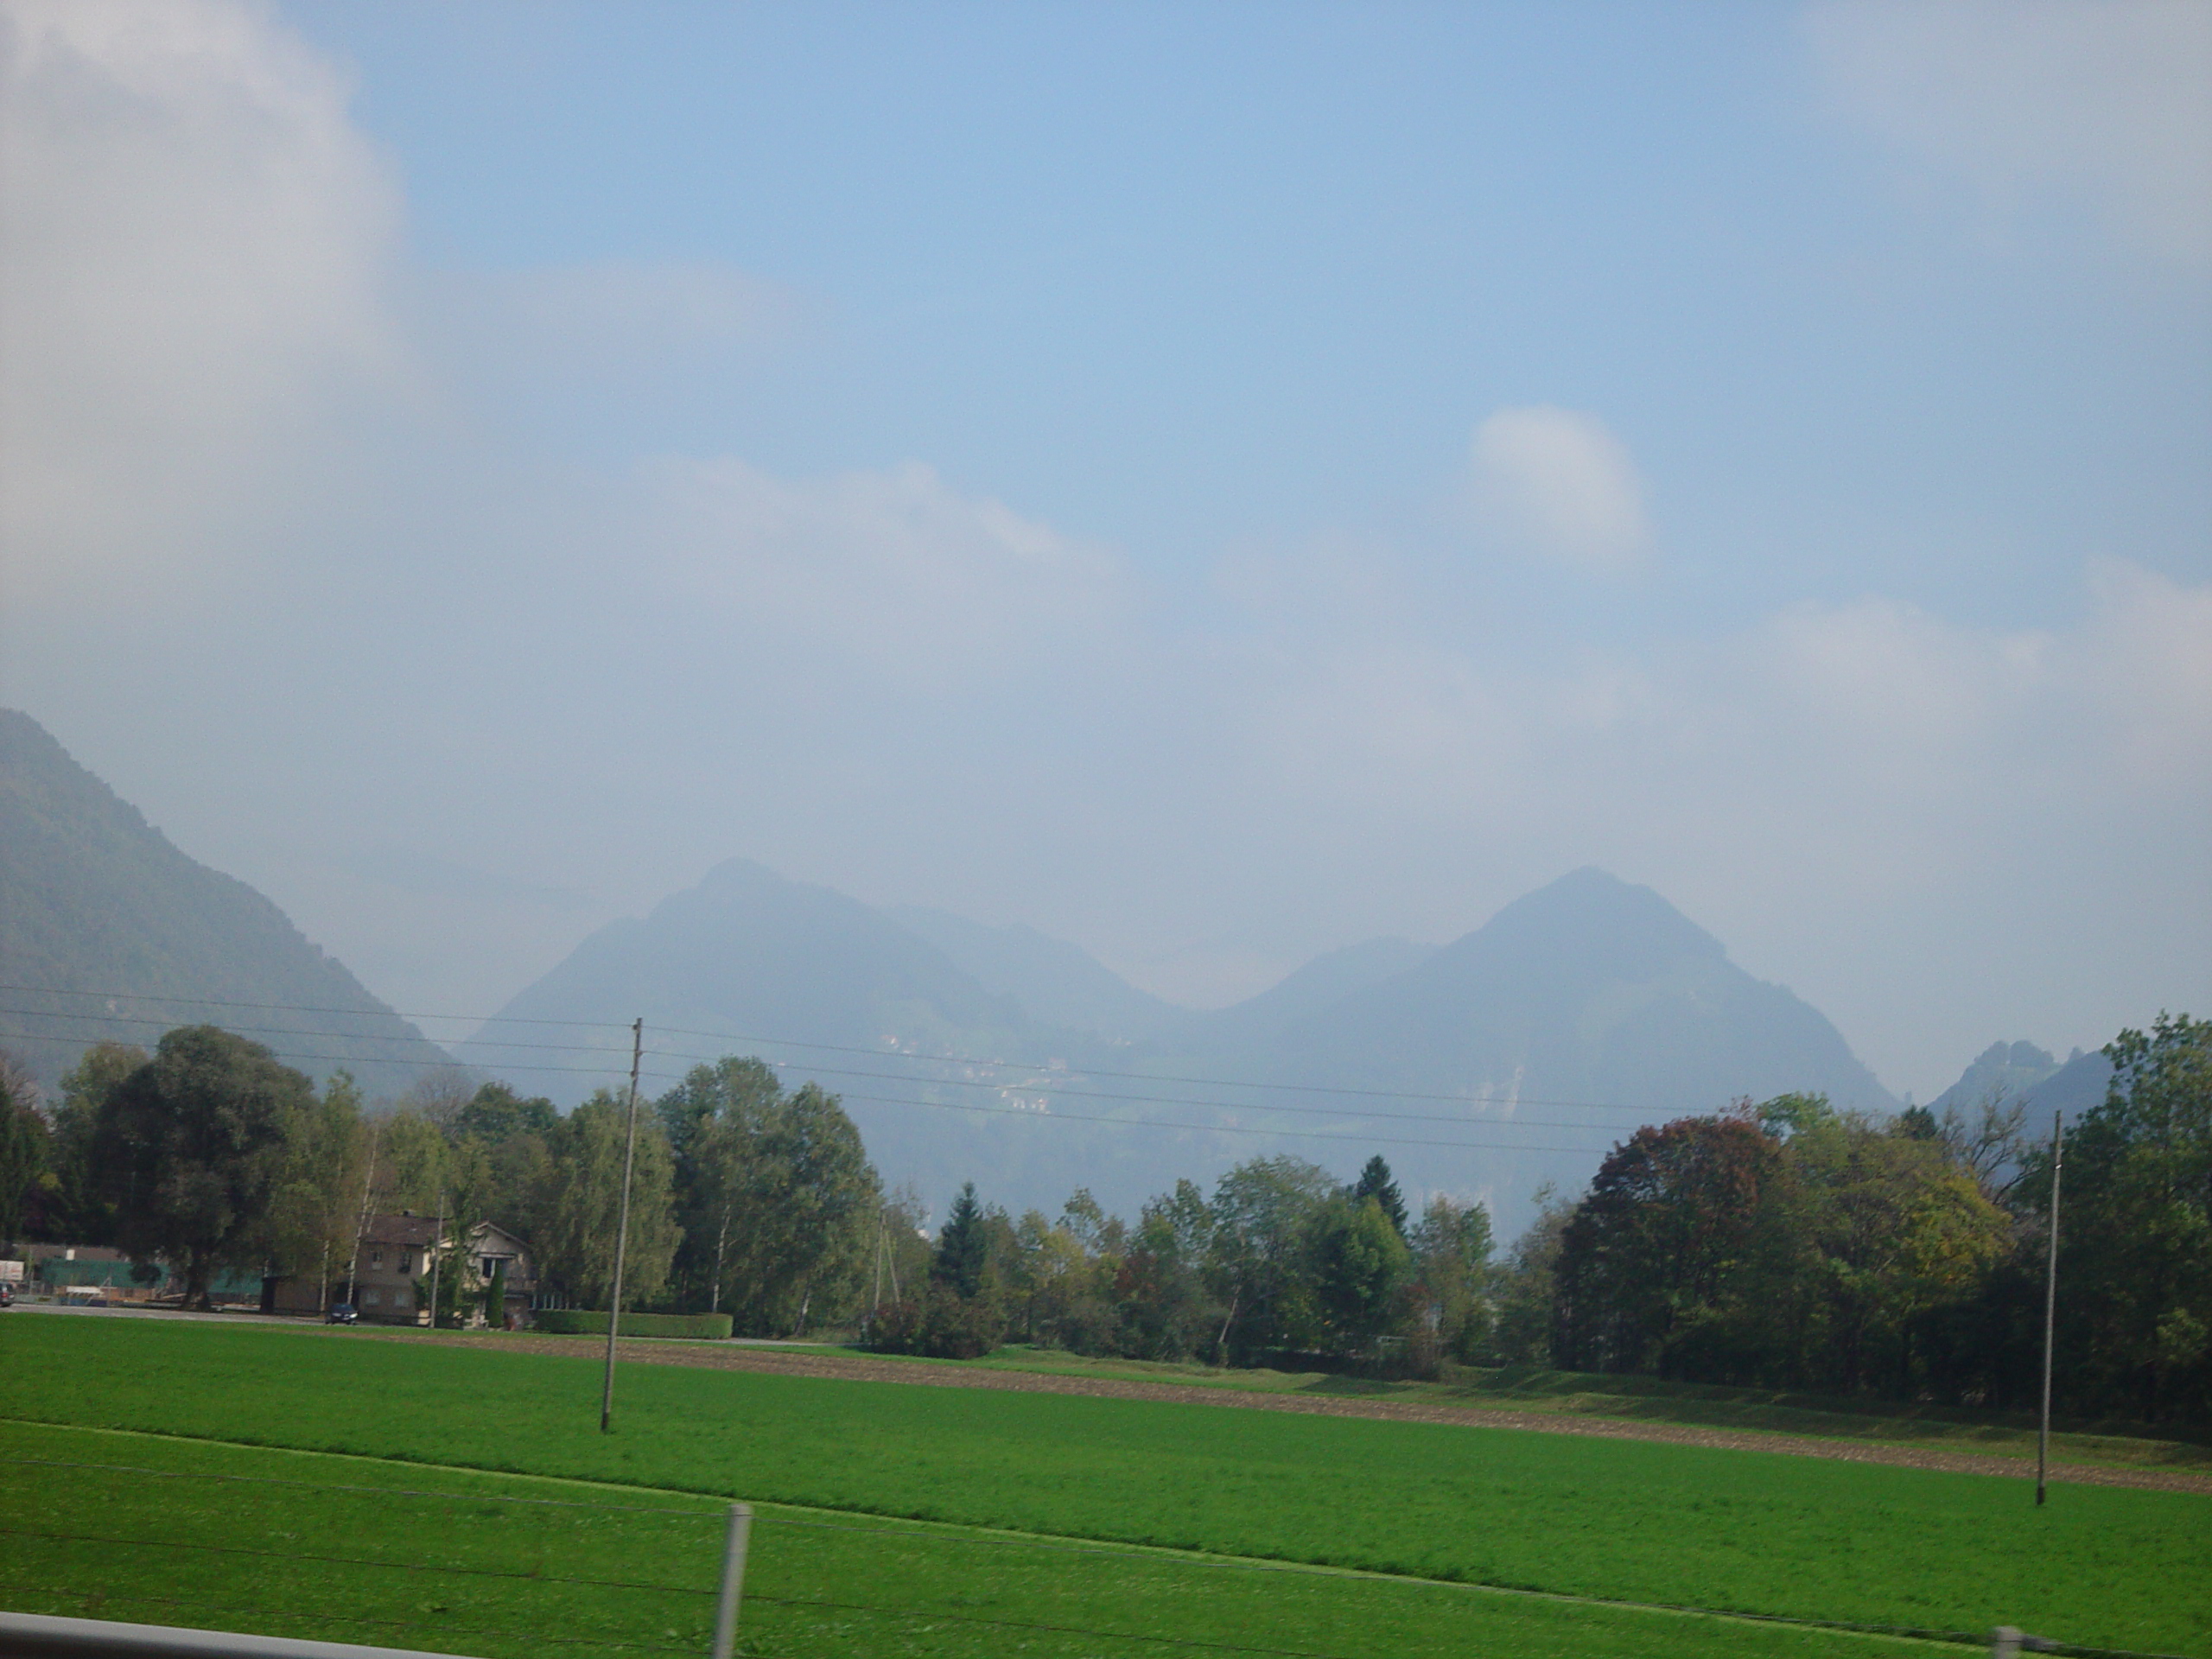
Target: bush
(579, 1322)
(939, 1324)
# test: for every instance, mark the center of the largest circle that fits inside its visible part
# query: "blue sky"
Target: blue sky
(1214, 482)
(1180, 276)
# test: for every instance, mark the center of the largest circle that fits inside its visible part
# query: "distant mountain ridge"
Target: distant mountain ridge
(1592, 989)
(110, 932)
(1003, 1056)
(1057, 984)
(2020, 1074)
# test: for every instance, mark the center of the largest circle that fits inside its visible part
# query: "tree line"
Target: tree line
(209, 1155)
(1782, 1244)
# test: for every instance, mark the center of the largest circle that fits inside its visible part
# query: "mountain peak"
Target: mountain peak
(1594, 918)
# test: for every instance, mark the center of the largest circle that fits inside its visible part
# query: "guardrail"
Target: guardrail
(40, 1635)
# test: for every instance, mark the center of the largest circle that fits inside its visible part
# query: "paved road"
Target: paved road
(302, 1321)
(80, 1311)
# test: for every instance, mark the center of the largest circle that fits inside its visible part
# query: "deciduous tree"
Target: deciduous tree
(579, 1208)
(190, 1149)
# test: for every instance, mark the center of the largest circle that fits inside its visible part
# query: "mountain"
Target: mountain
(1259, 1024)
(1057, 983)
(829, 988)
(2073, 1088)
(108, 931)
(2002, 1071)
(763, 959)
(1516, 1055)
(1586, 990)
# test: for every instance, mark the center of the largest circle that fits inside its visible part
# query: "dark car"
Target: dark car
(342, 1314)
(7, 1293)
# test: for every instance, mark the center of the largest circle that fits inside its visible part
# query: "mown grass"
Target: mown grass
(134, 1529)
(1744, 1531)
(1654, 1400)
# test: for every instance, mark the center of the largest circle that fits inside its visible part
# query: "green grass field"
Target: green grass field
(1625, 1522)
(1653, 1400)
(448, 1561)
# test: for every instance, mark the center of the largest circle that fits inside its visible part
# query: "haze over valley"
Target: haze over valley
(1510, 1058)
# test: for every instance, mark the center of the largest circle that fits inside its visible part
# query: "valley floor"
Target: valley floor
(1544, 1402)
(455, 1494)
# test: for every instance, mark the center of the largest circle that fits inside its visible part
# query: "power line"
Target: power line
(302, 1007)
(1044, 1086)
(1149, 1076)
(789, 1043)
(1213, 1129)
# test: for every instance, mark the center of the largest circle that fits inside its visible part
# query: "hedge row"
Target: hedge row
(575, 1322)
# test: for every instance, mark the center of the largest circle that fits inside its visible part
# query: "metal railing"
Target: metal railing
(42, 1636)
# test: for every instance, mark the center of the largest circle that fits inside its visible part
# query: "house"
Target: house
(501, 1262)
(392, 1273)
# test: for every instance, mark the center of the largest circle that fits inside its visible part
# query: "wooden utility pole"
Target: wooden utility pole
(437, 1251)
(368, 1189)
(2049, 1299)
(622, 1228)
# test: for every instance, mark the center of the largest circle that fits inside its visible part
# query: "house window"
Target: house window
(371, 1298)
(376, 1258)
(405, 1261)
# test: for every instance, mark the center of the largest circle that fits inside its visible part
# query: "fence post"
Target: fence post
(740, 1527)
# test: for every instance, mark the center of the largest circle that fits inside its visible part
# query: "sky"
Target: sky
(1211, 482)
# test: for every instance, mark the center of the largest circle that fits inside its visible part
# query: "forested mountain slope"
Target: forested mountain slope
(95, 900)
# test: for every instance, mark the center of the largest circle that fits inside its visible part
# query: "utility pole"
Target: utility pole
(437, 1250)
(368, 1187)
(622, 1228)
(2049, 1299)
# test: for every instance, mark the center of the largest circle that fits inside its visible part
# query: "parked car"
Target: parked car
(7, 1293)
(342, 1314)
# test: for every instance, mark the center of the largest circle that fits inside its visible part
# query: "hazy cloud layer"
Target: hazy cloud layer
(197, 246)
(453, 701)
(2088, 102)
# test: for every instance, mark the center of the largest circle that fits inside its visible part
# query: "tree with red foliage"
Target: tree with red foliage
(1669, 1221)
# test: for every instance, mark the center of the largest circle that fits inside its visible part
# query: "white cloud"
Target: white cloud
(1556, 482)
(196, 247)
(894, 571)
(2106, 102)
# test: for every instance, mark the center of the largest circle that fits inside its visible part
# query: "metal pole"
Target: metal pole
(2049, 1299)
(622, 1229)
(740, 1528)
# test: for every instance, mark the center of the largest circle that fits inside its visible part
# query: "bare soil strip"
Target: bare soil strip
(857, 1368)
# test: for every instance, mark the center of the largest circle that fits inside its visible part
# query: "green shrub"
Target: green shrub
(940, 1325)
(579, 1322)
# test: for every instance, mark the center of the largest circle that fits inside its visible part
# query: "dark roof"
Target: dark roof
(85, 1253)
(400, 1230)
